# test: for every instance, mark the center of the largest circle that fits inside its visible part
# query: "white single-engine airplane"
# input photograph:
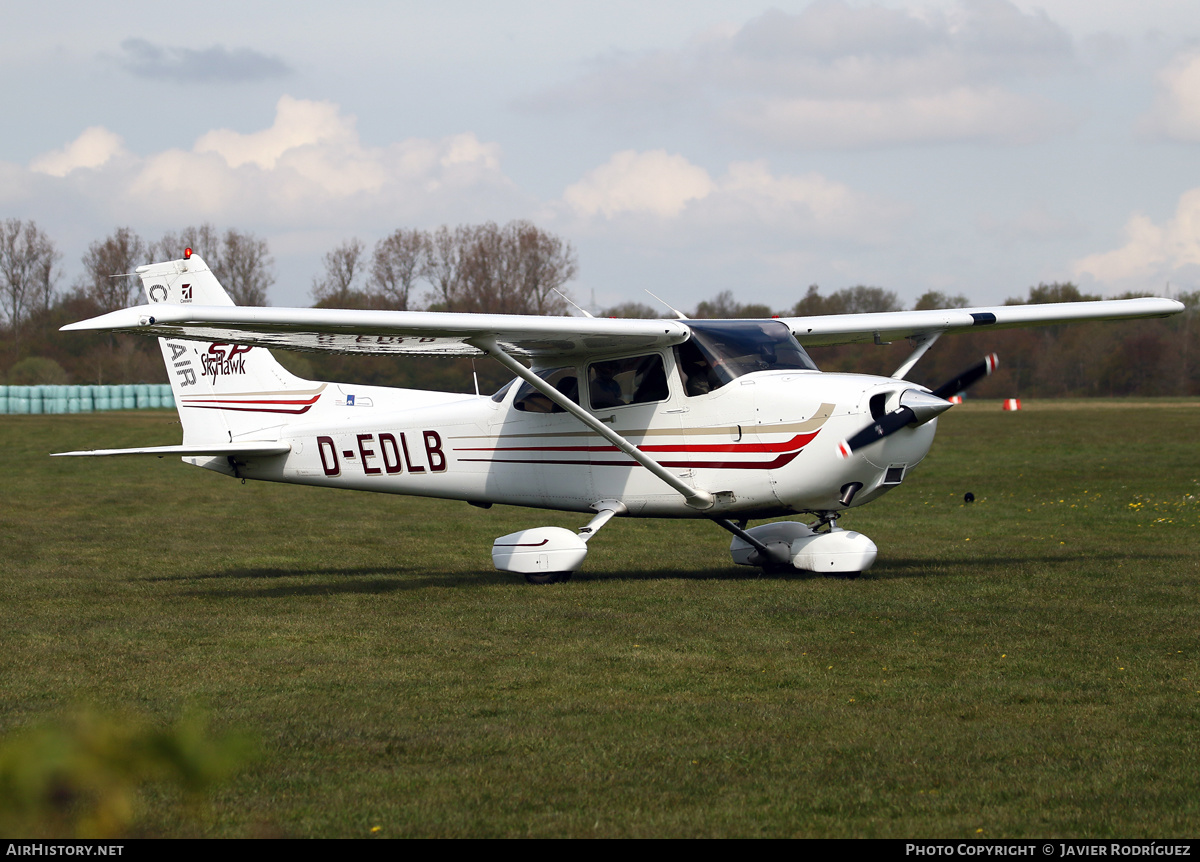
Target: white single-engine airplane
(728, 420)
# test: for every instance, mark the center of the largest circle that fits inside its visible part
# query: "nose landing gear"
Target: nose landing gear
(820, 547)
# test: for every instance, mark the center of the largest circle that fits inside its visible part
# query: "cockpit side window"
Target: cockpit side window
(695, 372)
(565, 380)
(632, 380)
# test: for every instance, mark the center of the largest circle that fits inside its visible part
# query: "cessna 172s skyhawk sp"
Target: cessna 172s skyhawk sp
(722, 419)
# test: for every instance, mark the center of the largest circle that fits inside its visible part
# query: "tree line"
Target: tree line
(518, 268)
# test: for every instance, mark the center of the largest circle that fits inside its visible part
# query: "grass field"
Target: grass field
(1026, 665)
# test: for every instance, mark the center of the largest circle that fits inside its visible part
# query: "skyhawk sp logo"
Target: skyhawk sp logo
(223, 359)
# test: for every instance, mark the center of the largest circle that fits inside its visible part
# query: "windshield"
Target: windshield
(721, 351)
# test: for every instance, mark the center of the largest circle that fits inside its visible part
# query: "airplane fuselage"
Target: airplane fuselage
(764, 445)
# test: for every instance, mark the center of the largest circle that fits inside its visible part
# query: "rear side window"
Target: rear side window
(632, 380)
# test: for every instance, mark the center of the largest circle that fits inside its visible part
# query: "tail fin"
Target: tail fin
(224, 392)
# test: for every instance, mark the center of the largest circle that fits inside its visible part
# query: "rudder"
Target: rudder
(224, 392)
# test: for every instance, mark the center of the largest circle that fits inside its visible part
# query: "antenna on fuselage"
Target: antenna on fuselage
(582, 311)
(674, 310)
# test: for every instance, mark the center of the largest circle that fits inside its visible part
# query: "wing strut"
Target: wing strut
(922, 343)
(697, 498)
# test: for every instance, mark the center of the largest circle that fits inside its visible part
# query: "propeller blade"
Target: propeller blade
(918, 407)
(969, 377)
(889, 423)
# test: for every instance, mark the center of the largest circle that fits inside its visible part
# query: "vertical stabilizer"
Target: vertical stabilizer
(224, 392)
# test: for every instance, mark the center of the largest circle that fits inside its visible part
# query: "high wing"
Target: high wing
(454, 334)
(390, 332)
(894, 325)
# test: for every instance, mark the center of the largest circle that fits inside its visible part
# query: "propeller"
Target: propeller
(918, 407)
(969, 378)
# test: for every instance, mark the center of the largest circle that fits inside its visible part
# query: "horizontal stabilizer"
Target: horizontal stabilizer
(231, 449)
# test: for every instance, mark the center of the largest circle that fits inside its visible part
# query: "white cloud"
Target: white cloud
(308, 167)
(468, 150)
(692, 232)
(298, 123)
(805, 205)
(1176, 110)
(630, 182)
(1152, 253)
(748, 199)
(986, 114)
(92, 149)
(843, 75)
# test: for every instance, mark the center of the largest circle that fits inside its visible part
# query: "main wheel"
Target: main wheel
(547, 577)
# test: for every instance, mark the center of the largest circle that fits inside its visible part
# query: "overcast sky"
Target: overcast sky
(969, 146)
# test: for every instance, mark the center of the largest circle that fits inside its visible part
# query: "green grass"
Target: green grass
(1026, 665)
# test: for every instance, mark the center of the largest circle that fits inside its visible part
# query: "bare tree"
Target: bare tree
(245, 268)
(203, 239)
(45, 272)
(27, 270)
(336, 286)
(398, 263)
(849, 300)
(544, 264)
(1056, 291)
(637, 310)
(514, 269)
(108, 266)
(443, 267)
(487, 279)
(934, 299)
(724, 306)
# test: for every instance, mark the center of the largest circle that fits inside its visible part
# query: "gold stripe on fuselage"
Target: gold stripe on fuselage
(811, 424)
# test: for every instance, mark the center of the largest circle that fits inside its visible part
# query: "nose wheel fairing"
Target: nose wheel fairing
(833, 552)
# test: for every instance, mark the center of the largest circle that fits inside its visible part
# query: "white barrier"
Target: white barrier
(85, 399)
